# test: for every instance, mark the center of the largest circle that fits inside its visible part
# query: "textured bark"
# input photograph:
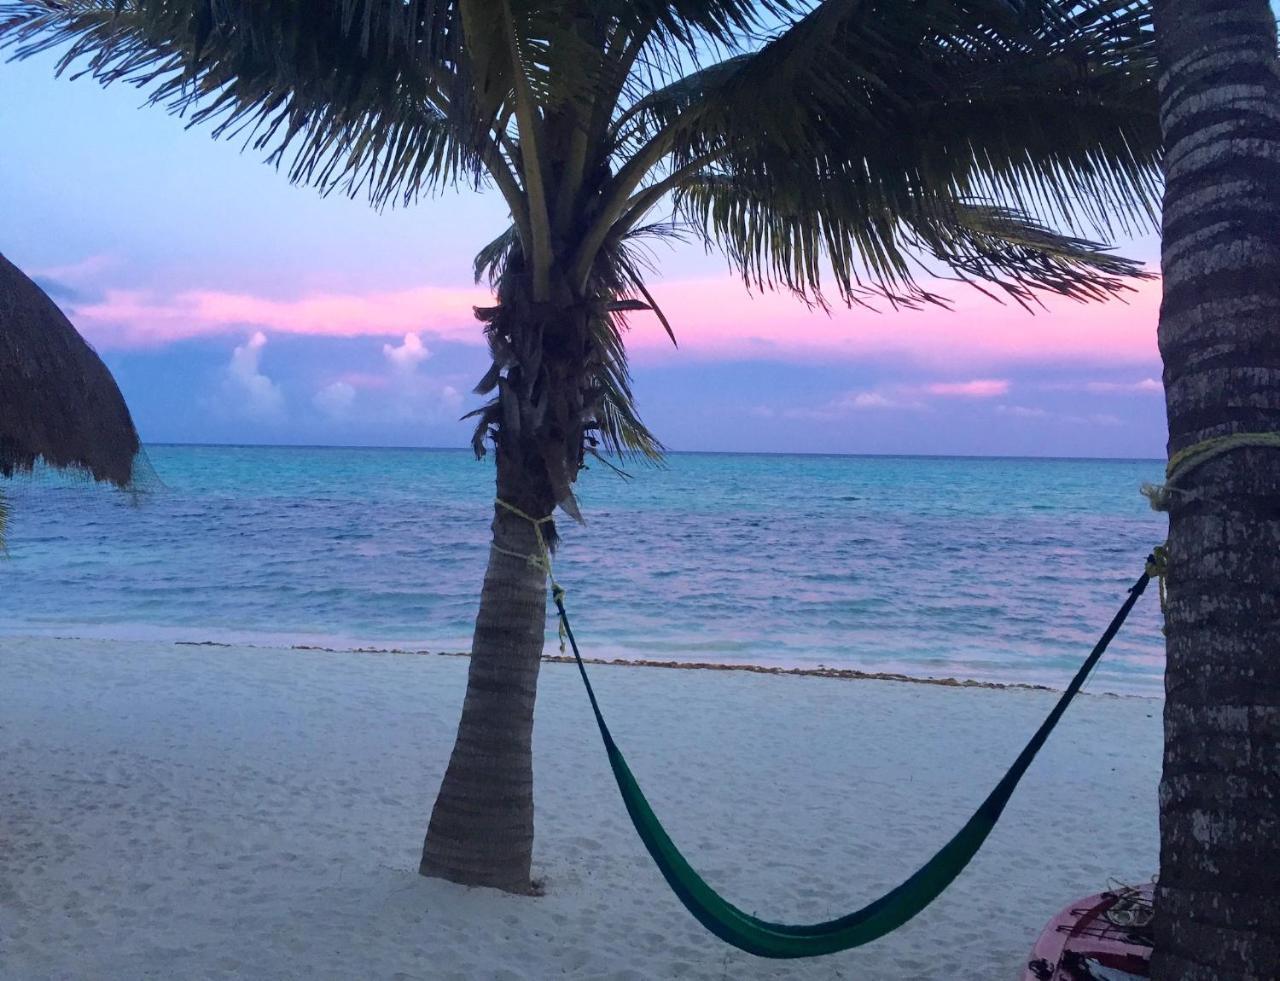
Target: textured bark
(481, 829)
(1218, 901)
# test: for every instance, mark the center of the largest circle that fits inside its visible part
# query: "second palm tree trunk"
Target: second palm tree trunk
(1218, 901)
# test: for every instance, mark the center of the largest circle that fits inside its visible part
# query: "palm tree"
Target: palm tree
(59, 404)
(1218, 903)
(843, 150)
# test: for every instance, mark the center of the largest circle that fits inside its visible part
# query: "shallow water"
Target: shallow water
(996, 569)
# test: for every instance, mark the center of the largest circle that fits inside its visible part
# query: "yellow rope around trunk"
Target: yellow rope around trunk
(1181, 464)
(1190, 457)
(1197, 453)
(541, 560)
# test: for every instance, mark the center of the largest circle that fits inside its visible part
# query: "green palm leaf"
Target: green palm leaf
(779, 233)
(846, 121)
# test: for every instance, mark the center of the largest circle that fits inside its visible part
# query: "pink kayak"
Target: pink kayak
(1105, 937)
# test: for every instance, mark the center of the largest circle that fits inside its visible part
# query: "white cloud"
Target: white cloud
(1152, 385)
(916, 396)
(911, 397)
(407, 355)
(335, 400)
(1022, 411)
(901, 397)
(1032, 412)
(77, 271)
(897, 398)
(819, 415)
(1146, 385)
(866, 400)
(254, 392)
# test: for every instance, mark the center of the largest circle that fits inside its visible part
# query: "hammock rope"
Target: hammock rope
(782, 940)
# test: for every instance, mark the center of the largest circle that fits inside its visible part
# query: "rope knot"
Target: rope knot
(1190, 457)
(536, 522)
(541, 559)
(1157, 495)
(1158, 562)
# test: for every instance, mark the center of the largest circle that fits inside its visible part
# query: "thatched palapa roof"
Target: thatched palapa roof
(58, 402)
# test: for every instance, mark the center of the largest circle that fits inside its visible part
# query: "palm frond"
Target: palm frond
(844, 122)
(618, 282)
(492, 259)
(694, 26)
(988, 244)
(789, 234)
(621, 429)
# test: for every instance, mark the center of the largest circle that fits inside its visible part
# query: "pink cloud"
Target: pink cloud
(133, 318)
(713, 318)
(718, 318)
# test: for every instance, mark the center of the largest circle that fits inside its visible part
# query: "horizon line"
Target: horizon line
(670, 452)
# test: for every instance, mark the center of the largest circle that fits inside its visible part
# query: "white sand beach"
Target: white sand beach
(172, 811)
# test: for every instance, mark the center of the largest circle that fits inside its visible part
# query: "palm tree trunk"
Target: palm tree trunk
(1218, 902)
(481, 829)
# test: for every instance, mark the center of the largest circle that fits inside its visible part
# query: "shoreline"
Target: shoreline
(839, 674)
(743, 667)
(775, 670)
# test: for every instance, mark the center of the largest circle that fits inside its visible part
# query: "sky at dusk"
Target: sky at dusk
(233, 307)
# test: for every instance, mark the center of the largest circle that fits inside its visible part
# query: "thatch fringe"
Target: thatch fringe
(59, 404)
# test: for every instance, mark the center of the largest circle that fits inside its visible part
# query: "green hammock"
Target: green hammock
(890, 911)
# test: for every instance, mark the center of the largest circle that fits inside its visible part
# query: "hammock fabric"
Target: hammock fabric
(890, 911)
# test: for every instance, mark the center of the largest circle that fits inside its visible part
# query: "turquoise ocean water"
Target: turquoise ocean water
(994, 569)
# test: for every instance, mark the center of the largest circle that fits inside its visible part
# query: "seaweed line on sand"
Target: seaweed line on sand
(846, 674)
(840, 674)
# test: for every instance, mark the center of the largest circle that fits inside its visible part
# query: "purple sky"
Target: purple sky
(233, 307)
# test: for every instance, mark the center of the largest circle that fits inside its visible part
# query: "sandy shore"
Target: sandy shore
(175, 811)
